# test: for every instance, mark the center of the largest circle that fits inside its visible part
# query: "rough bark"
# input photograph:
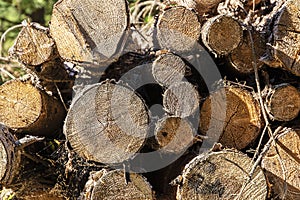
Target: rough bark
(284, 180)
(221, 34)
(109, 116)
(178, 30)
(287, 36)
(28, 109)
(90, 31)
(283, 102)
(174, 134)
(200, 6)
(232, 117)
(10, 156)
(181, 99)
(168, 69)
(242, 57)
(111, 185)
(221, 175)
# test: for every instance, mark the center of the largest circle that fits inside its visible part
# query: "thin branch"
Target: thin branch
(5, 33)
(60, 97)
(7, 73)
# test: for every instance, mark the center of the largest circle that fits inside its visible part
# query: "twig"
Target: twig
(60, 97)
(5, 33)
(7, 73)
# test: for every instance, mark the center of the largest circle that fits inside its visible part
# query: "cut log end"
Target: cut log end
(33, 45)
(110, 116)
(221, 175)
(181, 99)
(168, 69)
(25, 107)
(174, 135)
(178, 30)
(200, 6)
(287, 37)
(284, 176)
(112, 185)
(232, 117)
(284, 103)
(221, 34)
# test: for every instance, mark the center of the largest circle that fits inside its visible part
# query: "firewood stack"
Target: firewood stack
(192, 117)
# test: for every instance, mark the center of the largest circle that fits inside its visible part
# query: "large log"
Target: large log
(86, 31)
(283, 102)
(286, 36)
(178, 30)
(174, 134)
(111, 185)
(283, 176)
(237, 121)
(168, 68)
(181, 99)
(28, 109)
(110, 117)
(221, 175)
(221, 34)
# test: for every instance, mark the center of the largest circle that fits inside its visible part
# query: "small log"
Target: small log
(200, 6)
(221, 34)
(284, 179)
(111, 185)
(221, 175)
(178, 30)
(242, 57)
(181, 99)
(107, 116)
(283, 102)
(9, 155)
(231, 116)
(28, 109)
(174, 135)
(286, 37)
(168, 69)
(90, 31)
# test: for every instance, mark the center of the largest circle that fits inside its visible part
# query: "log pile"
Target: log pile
(94, 119)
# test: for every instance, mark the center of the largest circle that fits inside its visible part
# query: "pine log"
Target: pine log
(86, 31)
(231, 116)
(200, 6)
(221, 175)
(286, 33)
(242, 57)
(181, 99)
(168, 69)
(109, 117)
(221, 34)
(111, 185)
(28, 109)
(283, 178)
(178, 30)
(283, 102)
(174, 134)
(9, 155)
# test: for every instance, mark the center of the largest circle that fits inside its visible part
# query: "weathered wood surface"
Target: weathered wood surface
(168, 68)
(221, 175)
(242, 57)
(221, 34)
(111, 185)
(9, 155)
(283, 102)
(286, 36)
(174, 134)
(28, 109)
(283, 166)
(236, 121)
(108, 116)
(181, 99)
(90, 31)
(178, 30)
(200, 6)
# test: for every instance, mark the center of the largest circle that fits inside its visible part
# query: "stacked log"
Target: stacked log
(109, 125)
